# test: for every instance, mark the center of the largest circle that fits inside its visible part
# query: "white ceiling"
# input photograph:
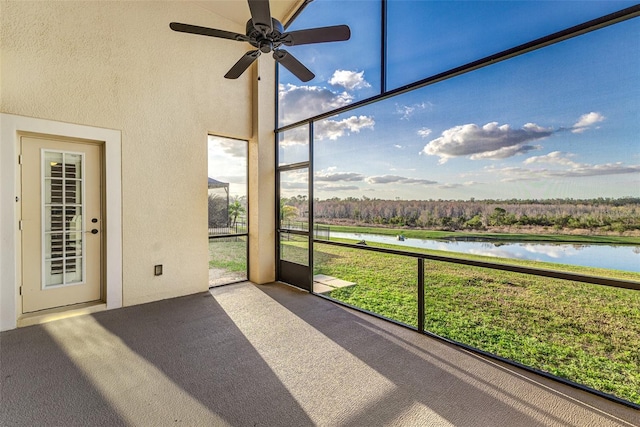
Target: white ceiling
(238, 10)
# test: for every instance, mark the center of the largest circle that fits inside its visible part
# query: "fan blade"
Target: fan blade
(240, 66)
(293, 65)
(261, 15)
(204, 31)
(336, 33)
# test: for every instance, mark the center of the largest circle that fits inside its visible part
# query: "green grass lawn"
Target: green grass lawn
(228, 253)
(586, 333)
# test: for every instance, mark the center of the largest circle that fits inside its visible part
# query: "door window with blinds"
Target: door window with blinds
(62, 218)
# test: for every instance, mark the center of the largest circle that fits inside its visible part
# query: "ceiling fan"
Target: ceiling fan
(267, 34)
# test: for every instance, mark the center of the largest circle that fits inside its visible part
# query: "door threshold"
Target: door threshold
(58, 313)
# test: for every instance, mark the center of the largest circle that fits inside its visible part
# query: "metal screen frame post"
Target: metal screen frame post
(421, 294)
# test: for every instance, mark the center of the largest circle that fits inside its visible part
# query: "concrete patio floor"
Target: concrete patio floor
(271, 355)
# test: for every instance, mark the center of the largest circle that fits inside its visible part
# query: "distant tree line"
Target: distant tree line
(594, 215)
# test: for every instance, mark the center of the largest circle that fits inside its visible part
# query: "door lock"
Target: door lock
(94, 231)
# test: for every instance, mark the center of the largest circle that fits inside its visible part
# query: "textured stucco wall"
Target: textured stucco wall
(118, 65)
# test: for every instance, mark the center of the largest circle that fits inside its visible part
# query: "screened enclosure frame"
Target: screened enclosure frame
(538, 43)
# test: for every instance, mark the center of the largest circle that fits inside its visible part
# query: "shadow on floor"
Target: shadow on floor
(272, 355)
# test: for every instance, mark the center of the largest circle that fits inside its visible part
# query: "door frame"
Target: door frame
(11, 128)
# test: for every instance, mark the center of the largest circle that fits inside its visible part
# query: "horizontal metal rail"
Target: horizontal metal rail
(225, 236)
(297, 232)
(293, 166)
(596, 280)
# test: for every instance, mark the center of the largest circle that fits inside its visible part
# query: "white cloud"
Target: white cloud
(505, 152)
(406, 111)
(449, 186)
(398, 146)
(327, 179)
(395, 179)
(491, 141)
(555, 157)
(299, 135)
(617, 168)
(294, 185)
(334, 129)
(586, 121)
(233, 147)
(350, 80)
(327, 129)
(334, 188)
(330, 176)
(570, 169)
(424, 132)
(301, 102)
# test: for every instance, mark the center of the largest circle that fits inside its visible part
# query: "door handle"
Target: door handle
(94, 231)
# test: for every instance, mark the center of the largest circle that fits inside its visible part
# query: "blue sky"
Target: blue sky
(563, 121)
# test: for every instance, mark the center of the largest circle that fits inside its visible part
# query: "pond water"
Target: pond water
(619, 257)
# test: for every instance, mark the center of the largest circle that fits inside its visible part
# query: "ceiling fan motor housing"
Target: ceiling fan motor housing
(268, 41)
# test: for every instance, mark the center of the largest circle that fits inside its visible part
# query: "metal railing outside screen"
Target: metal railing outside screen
(577, 331)
(561, 327)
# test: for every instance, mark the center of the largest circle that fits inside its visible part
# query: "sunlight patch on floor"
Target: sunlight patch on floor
(140, 392)
(330, 384)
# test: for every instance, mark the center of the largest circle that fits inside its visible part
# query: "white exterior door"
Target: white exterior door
(61, 222)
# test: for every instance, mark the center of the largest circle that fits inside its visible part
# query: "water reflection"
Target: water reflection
(603, 256)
